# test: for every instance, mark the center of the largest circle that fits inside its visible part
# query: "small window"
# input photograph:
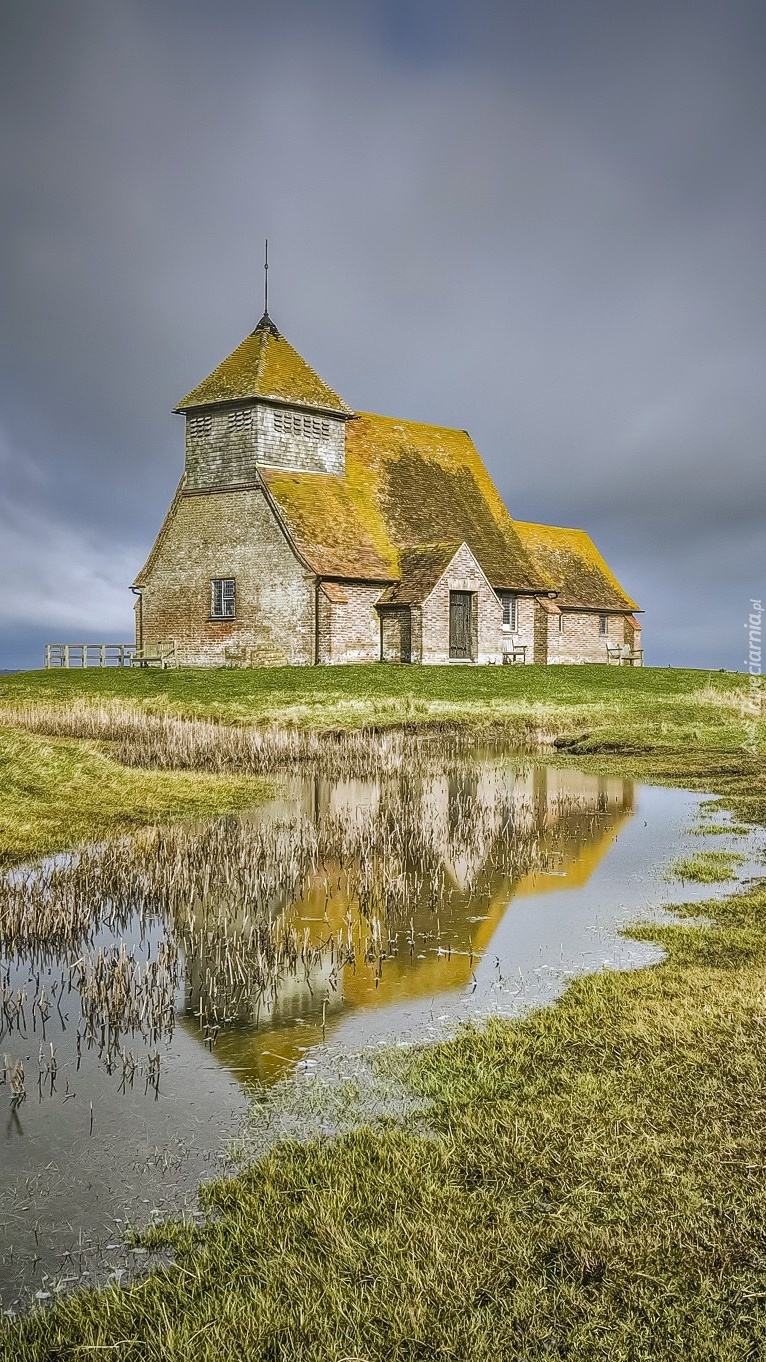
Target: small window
(199, 425)
(560, 622)
(603, 624)
(222, 598)
(510, 611)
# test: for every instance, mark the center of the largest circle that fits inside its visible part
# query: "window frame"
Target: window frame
(603, 626)
(225, 597)
(510, 603)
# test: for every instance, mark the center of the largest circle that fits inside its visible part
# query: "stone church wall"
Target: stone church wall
(229, 534)
(579, 639)
(463, 574)
(349, 631)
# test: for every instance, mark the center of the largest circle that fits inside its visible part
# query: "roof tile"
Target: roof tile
(265, 366)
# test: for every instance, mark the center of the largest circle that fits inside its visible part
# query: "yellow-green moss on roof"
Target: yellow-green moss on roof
(420, 570)
(406, 485)
(335, 534)
(573, 563)
(265, 366)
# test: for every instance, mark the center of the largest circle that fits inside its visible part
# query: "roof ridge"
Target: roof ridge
(261, 359)
(543, 525)
(407, 421)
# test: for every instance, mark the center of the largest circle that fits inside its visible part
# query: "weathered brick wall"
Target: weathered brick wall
(223, 446)
(323, 628)
(525, 625)
(229, 534)
(354, 625)
(463, 574)
(541, 617)
(416, 633)
(579, 639)
(632, 634)
(396, 635)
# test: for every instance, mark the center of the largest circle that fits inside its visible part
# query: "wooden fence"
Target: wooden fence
(89, 654)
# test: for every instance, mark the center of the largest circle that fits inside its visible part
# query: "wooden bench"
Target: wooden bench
(513, 651)
(162, 655)
(622, 655)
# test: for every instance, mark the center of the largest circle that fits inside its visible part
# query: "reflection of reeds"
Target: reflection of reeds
(228, 902)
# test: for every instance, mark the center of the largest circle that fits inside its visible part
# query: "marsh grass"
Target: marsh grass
(706, 867)
(591, 1185)
(593, 707)
(720, 830)
(56, 793)
(88, 752)
(136, 737)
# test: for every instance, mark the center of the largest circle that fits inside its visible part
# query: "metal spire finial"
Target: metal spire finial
(266, 324)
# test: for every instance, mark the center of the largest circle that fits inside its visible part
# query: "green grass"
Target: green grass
(719, 830)
(58, 792)
(54, 794)
(592, 1182)
(706, 867)
(594, 708)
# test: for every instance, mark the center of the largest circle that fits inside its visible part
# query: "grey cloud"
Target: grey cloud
(542, 223)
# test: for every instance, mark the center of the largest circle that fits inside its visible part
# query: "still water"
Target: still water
(149, 987)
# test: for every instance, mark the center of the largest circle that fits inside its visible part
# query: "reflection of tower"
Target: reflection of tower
(453, 827)
(540, 795)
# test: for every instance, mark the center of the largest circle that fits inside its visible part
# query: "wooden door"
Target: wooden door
(460, 624)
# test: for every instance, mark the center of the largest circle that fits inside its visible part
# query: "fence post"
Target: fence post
(66, 654)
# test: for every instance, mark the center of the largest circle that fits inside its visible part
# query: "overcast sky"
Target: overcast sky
(539, 220)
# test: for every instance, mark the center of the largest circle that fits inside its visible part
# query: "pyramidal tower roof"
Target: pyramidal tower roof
(265, 366)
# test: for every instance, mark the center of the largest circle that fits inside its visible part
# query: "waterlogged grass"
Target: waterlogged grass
(592, 1187)
(590, 1182)
(720, 830)
(56, 793)
(706, 867)
(230, 724)
(594, 708)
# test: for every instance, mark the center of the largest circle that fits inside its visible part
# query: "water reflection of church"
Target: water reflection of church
(569, 818)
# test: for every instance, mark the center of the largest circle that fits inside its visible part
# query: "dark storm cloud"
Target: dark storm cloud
(540, 222)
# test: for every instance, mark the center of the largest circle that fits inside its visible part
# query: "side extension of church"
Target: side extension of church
(304, 532)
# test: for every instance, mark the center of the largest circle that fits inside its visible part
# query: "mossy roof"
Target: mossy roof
(406, 485)
(420, 570)
(570, 559)
(265, 366)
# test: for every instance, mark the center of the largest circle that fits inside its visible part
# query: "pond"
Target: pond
(150, 986)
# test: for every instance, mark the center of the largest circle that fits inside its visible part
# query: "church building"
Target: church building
(305, 532)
